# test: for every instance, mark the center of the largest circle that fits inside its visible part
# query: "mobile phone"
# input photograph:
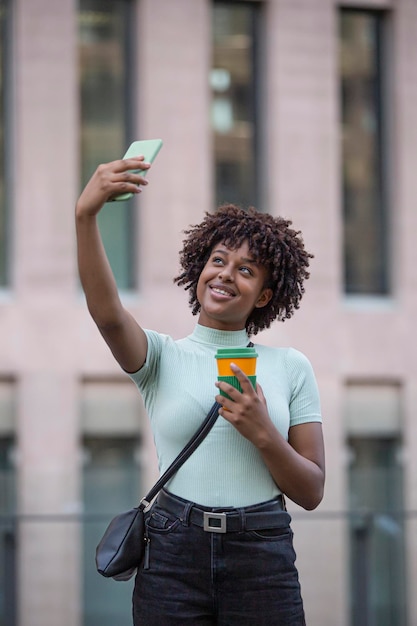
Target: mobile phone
(149, 148)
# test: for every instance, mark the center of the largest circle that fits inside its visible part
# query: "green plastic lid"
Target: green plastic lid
(236, 353)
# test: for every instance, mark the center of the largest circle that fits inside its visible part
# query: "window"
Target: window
(4, 65)
(366, 263)
(375, 478)
(111, 482)
(105, 58)
(112, 423)
(376, 532)
(8, 499)
(234, 109)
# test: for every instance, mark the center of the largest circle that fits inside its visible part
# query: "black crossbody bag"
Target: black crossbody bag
(122, 546)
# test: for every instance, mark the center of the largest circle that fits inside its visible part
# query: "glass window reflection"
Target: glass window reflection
(233, 104)
(105, 110)
(4, 21)
(364, 196)
(377, 533)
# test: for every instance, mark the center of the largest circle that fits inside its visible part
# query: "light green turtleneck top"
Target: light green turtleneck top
(177, 383)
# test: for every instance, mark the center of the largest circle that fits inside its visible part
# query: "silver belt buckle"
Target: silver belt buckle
(214, 522)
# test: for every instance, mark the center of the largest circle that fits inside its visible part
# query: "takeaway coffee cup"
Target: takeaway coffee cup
(245, 358)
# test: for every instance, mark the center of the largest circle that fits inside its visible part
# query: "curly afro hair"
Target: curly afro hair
(273, 244)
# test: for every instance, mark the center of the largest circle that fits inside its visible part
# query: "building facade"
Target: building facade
(305, 108)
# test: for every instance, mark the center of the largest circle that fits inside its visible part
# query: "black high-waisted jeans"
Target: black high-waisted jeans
(239, 571)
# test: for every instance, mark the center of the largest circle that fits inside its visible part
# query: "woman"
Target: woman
(219, 547)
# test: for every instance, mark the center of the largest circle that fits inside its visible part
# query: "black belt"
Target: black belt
(216, 520)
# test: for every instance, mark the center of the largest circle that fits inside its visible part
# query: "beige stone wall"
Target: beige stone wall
(49, 344)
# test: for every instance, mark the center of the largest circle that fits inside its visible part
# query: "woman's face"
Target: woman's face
(230, 286)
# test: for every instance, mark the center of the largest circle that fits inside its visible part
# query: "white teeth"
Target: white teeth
(221, 292)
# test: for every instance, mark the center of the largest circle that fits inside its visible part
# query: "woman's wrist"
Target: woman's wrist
(84, 214)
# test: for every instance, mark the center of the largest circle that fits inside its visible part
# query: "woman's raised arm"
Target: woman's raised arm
(122, 333)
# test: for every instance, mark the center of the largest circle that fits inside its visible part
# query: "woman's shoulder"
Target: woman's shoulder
(166, 346)
(287, 356)
(280, 352)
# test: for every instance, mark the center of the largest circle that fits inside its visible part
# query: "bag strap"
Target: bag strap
(186, 452)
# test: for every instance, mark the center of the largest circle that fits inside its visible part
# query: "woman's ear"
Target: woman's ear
(264, 298)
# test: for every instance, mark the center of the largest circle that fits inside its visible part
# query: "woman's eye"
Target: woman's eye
(217, 260)
(246, 270)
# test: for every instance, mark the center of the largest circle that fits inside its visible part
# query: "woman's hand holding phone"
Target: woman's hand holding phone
(119, 180)
(149, 148)
(110, 180)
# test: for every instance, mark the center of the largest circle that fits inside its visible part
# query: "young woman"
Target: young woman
(219, 538)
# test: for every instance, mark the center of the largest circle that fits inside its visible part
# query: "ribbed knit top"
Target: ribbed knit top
(177, 383)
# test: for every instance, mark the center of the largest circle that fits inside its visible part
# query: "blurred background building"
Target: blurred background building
(304, 108)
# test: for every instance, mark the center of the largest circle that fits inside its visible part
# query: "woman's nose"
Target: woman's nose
(226, 274)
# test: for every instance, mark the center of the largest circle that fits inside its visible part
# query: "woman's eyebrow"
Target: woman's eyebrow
(242, 259)
(249, 261)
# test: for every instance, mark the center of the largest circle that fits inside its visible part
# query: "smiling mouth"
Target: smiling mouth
(222, 292)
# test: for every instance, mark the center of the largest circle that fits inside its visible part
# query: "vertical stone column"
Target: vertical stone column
(303, 173)
(49, 547)
(174, 104)
(44, 286)
(45, 146)
(403, 89)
